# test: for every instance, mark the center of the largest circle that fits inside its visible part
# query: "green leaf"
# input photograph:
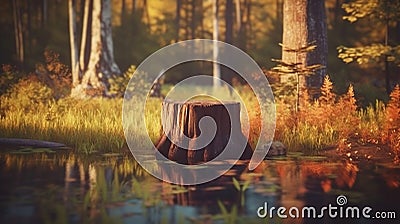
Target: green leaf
(223, 209)
(246, 185)
(236, 184)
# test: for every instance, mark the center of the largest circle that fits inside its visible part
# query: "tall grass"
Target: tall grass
(95, 125)
(87, 126)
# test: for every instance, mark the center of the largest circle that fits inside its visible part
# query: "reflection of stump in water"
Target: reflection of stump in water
(183, 118)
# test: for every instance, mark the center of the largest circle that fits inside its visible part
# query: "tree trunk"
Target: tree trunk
(85, 41)
(101, 65)
(18, 31)
(216, 69)
(226, 73)
(73, 43)
(44, 13)
(193, 19)
(317, 34)
(178, 19)
(238, 16)
(146, 14)
(304, 23)
(279, 6)
(229, 21)
(182, 122)
(249, 30)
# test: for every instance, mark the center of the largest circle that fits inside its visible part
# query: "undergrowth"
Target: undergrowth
(30, 109)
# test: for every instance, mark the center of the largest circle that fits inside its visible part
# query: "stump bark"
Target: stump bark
(182, 120)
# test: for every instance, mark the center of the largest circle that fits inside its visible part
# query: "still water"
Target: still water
(65, 188)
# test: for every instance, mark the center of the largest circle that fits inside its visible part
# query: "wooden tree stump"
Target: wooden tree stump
(182, 120)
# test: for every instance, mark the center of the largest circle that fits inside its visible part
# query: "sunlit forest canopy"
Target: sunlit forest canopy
(140, 27)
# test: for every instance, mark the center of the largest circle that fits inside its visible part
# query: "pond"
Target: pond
(60, 187)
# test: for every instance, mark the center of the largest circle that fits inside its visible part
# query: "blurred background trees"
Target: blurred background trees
(381, 52)
(140, 27)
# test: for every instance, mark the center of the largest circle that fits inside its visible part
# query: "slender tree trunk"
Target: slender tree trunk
(279, 6)
(85, 41)
(134, 5)
(387, 69)
(238, 16)
(216, 68)
(226, 73)
(229, 21)
(193, 19)
(146, 13)
(338, 9)
(73, 43)
(123, 11)
(249, 29)
(186, 19)
(201, 18)
(18, 29)
(29, 27)
(45, 12)
(242, 34)
(178, 19)
(108, 47)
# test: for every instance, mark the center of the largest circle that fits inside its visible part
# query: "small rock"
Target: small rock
(277, 149)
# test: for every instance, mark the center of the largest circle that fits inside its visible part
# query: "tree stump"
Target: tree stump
(182, 125)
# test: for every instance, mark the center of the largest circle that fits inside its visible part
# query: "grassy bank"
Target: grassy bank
(95, 125)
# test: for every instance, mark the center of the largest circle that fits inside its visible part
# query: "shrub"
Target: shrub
(392, 122)
(321, 123)
(118, 84)
(55, 74)
(28, 95)
(8, 77)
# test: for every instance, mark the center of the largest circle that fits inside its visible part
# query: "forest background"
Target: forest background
(140, 27)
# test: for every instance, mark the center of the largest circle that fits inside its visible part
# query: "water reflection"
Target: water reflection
(63, 187)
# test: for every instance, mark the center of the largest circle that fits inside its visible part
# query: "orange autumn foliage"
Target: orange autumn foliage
(392, 122)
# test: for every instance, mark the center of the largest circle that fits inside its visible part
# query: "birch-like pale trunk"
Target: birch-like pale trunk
(238, 15)
(84, 39)
(73, 42)
(92, 74)
(101, 65)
